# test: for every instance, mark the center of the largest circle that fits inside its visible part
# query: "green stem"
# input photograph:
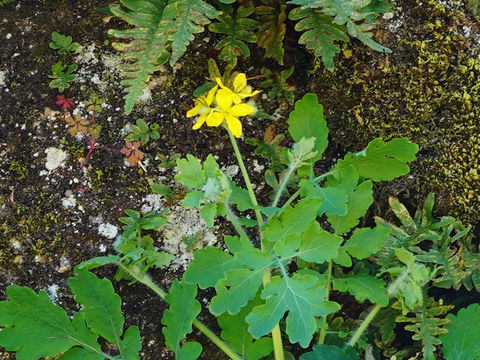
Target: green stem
(363, 326)
(216, 340)
(146, 280)
(248, 183)
(276, 333)
(235, 222)
(328, 282)
(297, 193)
(283, 184)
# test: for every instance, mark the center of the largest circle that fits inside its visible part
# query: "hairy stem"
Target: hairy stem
(363, 326)
(248, 183)
(276, 333)
(146, 280)
(235, 222)
(285, 178)
(328, 284)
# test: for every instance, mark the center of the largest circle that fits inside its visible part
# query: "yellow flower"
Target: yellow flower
(229, 112)
(204, 109)
(240, 88)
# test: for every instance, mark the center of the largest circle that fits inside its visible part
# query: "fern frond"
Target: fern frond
(147, 50)
(234, 23)
(427, 324)
(320, 34)
(272, 28)
(191, 16)
(348, 13)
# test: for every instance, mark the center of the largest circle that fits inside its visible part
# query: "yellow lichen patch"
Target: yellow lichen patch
(428, 90)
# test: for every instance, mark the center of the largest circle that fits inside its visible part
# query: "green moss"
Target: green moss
(428, 91)
(19, 169)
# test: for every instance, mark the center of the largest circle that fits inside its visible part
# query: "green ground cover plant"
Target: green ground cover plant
(273, 285)
(283, 285)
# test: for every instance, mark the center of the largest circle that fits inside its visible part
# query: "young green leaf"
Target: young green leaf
(307, 121)
(334, 200)
(239, 286)
(101, 305)
(360, 197)
(366, 241)
(34, 327)
(382, 161)
(190, 172)
(293, 220)
(147, 50)
(302, 297)
(461, 340)
(184, 308)
(235, 333)
(363, 287)
(318, 245)
(63, 43)
(209, 265)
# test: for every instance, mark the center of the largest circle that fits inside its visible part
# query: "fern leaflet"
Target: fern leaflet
(147, 50)
(190, 18)
(237, 26)
(320, 34)
(272, 28)
(427, 325)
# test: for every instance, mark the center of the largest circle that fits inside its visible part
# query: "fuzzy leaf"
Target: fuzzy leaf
(184, 308)
(461, 340)
(210, 265)
(367, 241)
(190, 18)
(235, 333)
(236, 24)
(364, 287)
(307, 121)
(302, 296)
(272, 29)
(382, 161)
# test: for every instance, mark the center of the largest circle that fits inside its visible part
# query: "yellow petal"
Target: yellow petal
(215, 118)
(234, 125)
(199, 123)
(239, 82)
(194, 111)
(224, 99)
(211, 95)
(219, 82)
(241, 110)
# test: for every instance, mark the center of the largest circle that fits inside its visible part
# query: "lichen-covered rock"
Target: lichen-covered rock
(428, 90)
